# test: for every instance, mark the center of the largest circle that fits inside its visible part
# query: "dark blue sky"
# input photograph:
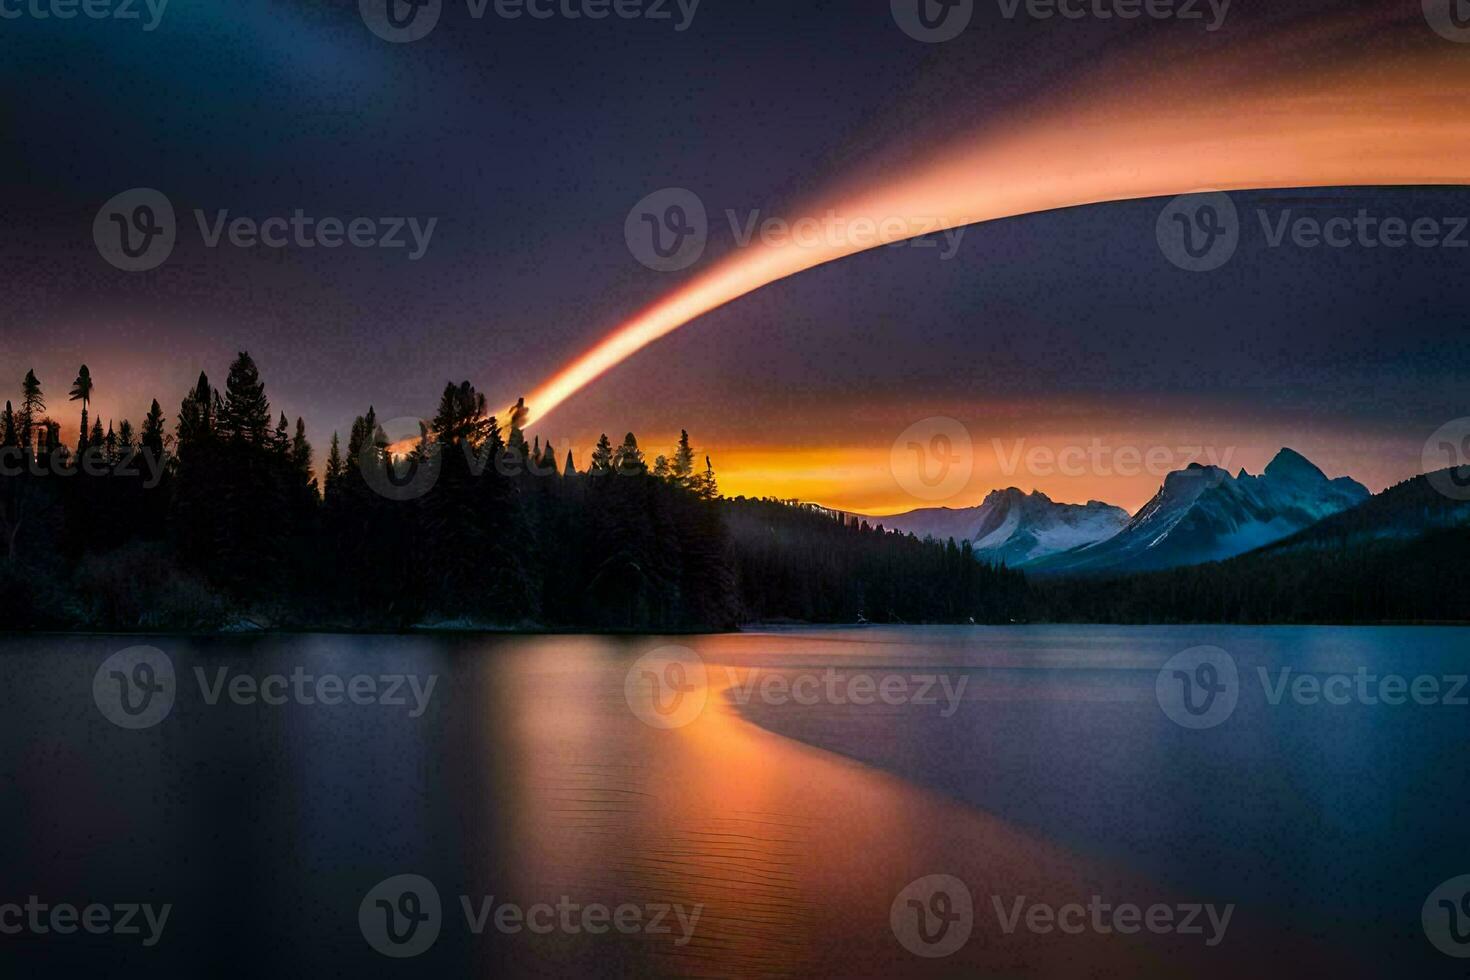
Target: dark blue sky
(529, 141)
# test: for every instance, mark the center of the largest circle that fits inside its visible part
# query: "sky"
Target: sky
(1059, 350)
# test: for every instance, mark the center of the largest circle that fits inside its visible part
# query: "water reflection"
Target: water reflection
(788, 828)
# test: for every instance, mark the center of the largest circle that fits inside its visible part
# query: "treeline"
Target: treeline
(219, 518)
(798, 563)
(1423, 580)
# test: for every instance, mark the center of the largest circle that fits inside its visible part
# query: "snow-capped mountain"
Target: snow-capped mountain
(1202, 514)
(1016, 528)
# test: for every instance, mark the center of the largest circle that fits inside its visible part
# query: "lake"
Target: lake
(1027, 801)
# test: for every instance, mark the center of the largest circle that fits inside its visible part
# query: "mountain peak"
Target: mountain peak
(1289, 463)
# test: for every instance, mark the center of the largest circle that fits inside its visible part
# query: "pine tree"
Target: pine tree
(629, 458)
(335, 469)
(661, 468)
(97, 438)
(360, 439)
(81, 390)
(151, 439)
(602, 457)
(281, 440)
(707, 487)
(570, 469)
(32, 404)
(125, 442)
(461, 417)
(683, 466)
(246, 412)
(109, 442)
(301, 450)
(197, 416)
(9, 435)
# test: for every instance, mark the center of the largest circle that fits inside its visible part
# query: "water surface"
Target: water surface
(791, 826)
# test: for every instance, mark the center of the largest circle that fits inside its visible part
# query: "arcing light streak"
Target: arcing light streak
(1391, 124)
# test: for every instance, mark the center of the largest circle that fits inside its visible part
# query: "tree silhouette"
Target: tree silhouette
(629, 458)
(81, 390)
(602, 457)
(246, 411)
(32, 404)
(152, 437)
(683, 465)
